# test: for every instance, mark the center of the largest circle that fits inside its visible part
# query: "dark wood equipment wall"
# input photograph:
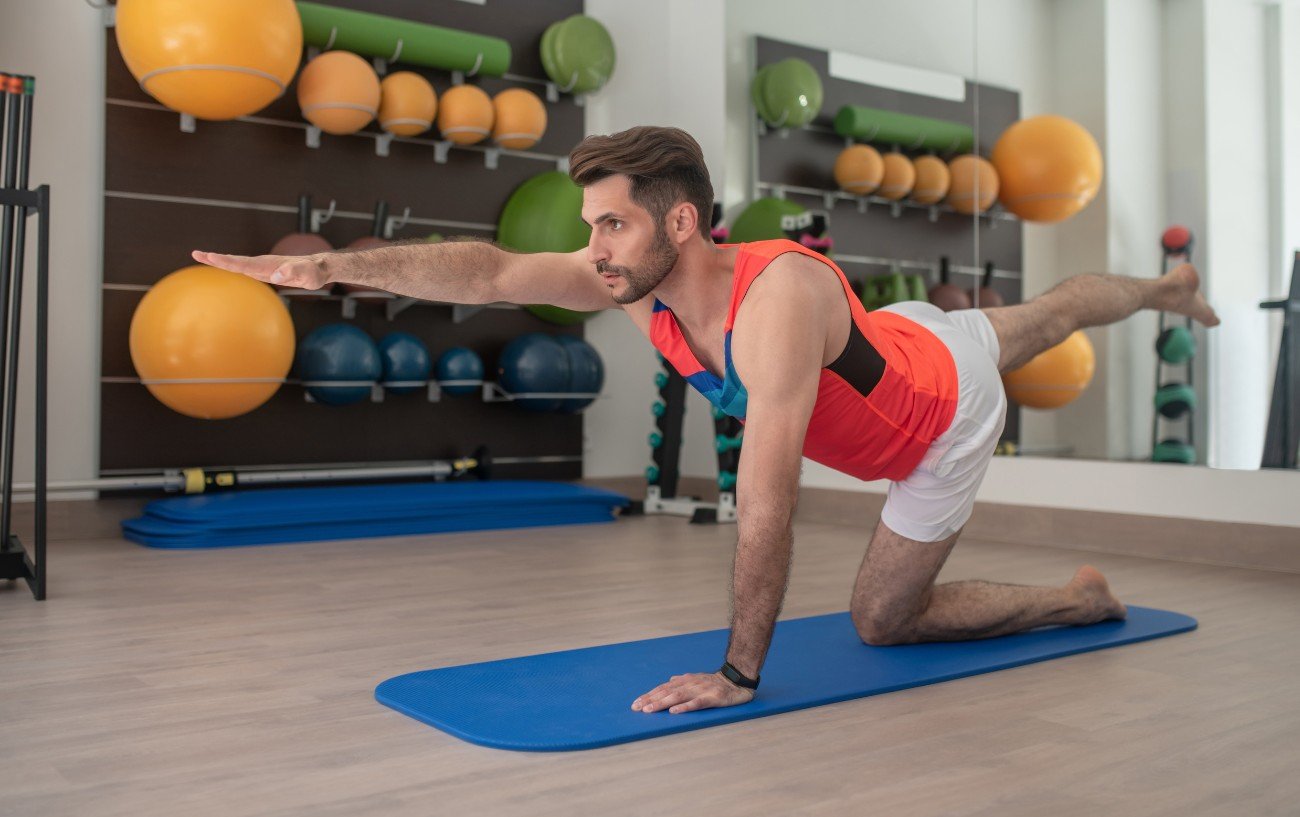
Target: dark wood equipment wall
(805, 158)
(168, 192)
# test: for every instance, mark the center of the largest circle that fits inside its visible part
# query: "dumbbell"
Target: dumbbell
(724, 443)
(727, 480)
(1176, 345)
(652, 474)
(658, 408)
(1173, 400)
(1174, 450)
(655, 439)
(661, 380)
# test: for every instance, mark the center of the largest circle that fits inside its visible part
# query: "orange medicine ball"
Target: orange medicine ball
(465, 115)
(212, 59)
(900, 176)
(520, 119)
(971, 175)
(932, 180)
(1050, 166)
(201, 323)
(859, 169)
(407, 104)
(1055, 377)
(338, 92)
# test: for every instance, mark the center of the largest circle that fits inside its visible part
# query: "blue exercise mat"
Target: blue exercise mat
(161, 533)
(358, 502)
(581, 699)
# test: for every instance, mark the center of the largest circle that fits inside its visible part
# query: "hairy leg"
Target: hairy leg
(895, 599)
(1025, 330)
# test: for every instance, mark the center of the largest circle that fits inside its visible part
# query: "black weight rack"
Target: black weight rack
(1282, 439)
(17, 205)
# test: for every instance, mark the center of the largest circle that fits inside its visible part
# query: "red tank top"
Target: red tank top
(879, 405)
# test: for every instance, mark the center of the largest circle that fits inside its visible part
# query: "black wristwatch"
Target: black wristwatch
(734, 676)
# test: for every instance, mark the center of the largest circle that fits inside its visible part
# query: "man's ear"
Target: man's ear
(683, 220)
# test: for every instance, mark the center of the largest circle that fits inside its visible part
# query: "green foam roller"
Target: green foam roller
(906, 131)
(403, 41)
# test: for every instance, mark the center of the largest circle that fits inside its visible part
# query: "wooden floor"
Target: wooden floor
(239, 682)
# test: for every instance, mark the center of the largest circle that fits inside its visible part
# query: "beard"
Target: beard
(648, 273)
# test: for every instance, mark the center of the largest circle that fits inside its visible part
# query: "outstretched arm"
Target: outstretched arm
(777, 349)
(467, 272)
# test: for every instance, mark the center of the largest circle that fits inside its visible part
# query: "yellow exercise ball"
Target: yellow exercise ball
(339, 92)
(465, 115)
(204, 323)
(859, 169)
(212, 59)
(900, 176)
(520, 119)
(972, 176)
(407, 104)
(1055, 377)
(932, 180)
(1050, 167)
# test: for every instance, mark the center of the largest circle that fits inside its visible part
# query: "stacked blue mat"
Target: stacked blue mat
(361, 512)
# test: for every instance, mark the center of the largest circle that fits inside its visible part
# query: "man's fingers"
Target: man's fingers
(702, 702)
(238, 263)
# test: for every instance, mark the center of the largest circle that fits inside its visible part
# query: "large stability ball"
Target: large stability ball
(406, 362)
(1050, 168)
(586, 373)
(974, 184)
(407, 104)
(544, 214)
(534, 364)
(338, 353)
(1055, 377)
(761, 220)
(212, 59)
(339, 92)
(201, 323)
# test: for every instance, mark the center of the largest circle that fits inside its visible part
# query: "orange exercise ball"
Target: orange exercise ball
(465, 115)
(407, 104)
(971, 176)
(932, 180)
(1050, 167)
(859, 169)
(212, 59)
(1055, 377)
(900, 176)
(204, 323)
(520, 119)
(339, 92)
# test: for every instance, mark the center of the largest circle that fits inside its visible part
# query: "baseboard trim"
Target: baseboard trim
(1225, 544)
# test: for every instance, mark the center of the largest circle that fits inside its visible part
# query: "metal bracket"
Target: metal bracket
(463, 312)
(313, 136)
(440, 151)
(383, 142)
(491, 158)
(188, 123)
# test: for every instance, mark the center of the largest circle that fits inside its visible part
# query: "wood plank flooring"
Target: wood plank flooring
(239, 682)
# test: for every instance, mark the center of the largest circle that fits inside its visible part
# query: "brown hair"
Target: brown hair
(666, 167)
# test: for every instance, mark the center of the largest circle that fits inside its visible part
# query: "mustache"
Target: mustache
(606, 268)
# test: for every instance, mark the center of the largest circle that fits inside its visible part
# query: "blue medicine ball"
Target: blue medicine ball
(586, 372)
(459, 364)
(406, 360)
(534, 363)
(338, 352)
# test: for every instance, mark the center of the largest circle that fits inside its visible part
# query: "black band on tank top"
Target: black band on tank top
(859, 364)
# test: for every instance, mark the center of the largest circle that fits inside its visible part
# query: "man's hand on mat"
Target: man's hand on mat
(687, 693)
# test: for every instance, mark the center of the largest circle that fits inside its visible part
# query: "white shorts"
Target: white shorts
(936, 499)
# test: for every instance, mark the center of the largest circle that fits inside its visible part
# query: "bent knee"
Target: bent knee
(878, 628)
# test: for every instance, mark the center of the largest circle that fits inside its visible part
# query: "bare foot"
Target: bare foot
(1184, 295)
(1096, 600)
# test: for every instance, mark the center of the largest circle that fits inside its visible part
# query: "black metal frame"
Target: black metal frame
(1283, 436)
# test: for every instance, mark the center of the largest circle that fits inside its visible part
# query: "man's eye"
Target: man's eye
(615, 225)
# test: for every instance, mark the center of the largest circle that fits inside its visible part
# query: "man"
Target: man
(772, 333)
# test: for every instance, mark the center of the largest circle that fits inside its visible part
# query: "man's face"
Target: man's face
(632, 253)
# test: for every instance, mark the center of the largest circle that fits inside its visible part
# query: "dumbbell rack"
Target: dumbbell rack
(1177, 255)
(665, 447)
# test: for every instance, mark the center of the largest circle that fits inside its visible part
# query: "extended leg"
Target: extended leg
(895, 599)
(1025, 330)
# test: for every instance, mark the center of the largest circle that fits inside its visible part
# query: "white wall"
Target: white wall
(62, 45)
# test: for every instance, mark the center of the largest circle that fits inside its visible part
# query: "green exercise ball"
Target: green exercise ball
(1176, 345)
(761, 220)
(793, 92)
(1173, 400)
(544, 214)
